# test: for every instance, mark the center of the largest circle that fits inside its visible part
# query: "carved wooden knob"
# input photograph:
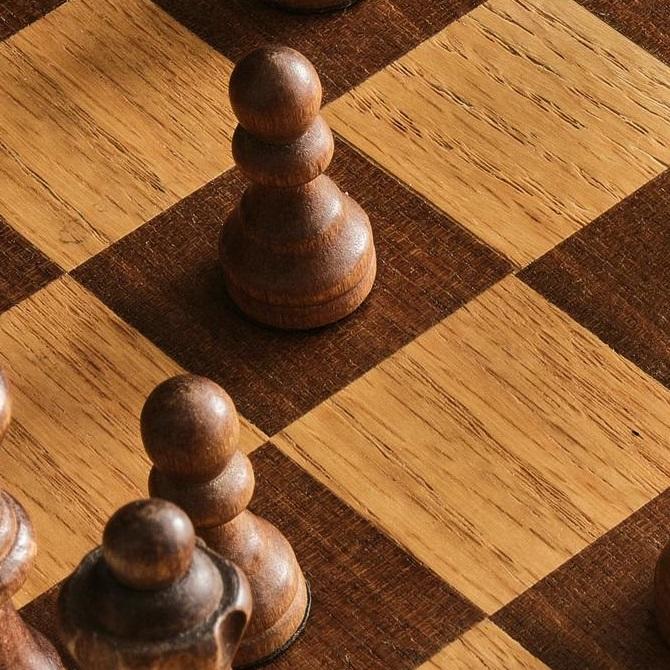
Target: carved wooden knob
(190, 427)
(275, 93)
(149, 544)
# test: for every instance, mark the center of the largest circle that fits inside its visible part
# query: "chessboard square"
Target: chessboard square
(613, 277)
(346, 47)
(484, 646)
(646, 22)
(498, 121)
(17, 14)
(496, 445)
(373, 605)
(165, 280)
(23, 269)
(79, 376)
(110, 113)
(597, 610)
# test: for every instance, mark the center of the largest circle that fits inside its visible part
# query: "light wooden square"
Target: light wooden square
(484, 647)
(73, 454)
(495, 446)
(524, 120)
(110, 113)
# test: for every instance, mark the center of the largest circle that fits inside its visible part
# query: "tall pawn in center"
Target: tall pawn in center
(296, 252)
(191, 431)
(21, 647)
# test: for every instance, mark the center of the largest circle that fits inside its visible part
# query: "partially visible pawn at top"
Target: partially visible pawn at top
(296, 252)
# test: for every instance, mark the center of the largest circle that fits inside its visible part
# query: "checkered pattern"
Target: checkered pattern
(473, 467)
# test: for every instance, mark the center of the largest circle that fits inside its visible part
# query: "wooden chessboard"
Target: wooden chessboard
(474, 467)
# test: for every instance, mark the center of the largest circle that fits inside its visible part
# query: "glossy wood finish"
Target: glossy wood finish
(497, 121)
(296, 253)
(190, 430)
(21, 647)
(150, 599)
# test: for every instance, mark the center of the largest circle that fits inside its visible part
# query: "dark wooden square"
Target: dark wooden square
(613, 277)
(17, 14)
(646, 22)
(373, 605)
(23, 268)
(345, 46)
(596, 611)
(165, 280)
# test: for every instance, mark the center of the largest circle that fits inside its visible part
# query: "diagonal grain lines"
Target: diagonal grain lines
(510, 134)
(494, 446)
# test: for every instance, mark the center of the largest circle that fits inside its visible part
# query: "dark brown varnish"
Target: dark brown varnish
(662, 593)
(153, 598)
(190, 430)
(21, 647)
(296, 253)
(312, 5)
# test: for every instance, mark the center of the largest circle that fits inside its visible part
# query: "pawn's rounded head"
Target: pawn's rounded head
(5, 405)
(148, 544)
(190, 428)
(275, 93)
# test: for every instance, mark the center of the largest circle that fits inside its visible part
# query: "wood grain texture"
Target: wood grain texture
(374, 607)
(73, 455)
(613, 277)
(646, 22)
(496, 445)
(484, 647)
(165, 280)
(346, 47)
(110, 113)
(497, 121)
(23, 269)
(596, 611)
(17, 14)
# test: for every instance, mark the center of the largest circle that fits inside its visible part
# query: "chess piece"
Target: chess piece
(21, 647)
(662, 593)
(312, 5)
(296, 252)
(190, 430)
(152, 597)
